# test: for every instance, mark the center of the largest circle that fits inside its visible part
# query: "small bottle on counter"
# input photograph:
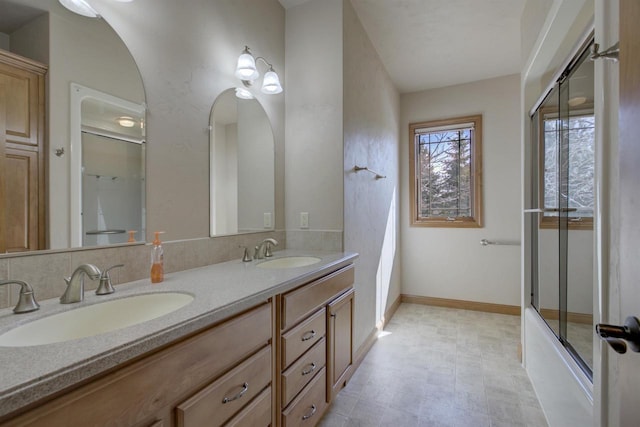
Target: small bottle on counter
(157, 259)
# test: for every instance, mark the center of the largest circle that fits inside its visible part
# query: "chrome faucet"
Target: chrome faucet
(75, 283)
(26, 300)
(263, 250)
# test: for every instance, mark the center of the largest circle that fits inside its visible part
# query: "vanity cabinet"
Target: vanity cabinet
(211, 376)
(278, 364)
(315, 353)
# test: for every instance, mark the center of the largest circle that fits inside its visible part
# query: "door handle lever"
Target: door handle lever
(616, 336)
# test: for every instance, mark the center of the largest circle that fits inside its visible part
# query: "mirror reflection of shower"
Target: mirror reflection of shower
(111, 170)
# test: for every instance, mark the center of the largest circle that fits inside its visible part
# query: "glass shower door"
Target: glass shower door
(561, 236)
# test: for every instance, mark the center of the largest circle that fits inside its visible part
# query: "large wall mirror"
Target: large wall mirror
(242, 163)
(84, 51)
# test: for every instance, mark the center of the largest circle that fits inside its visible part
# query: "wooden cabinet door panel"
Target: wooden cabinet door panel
(21, 200)
(22, 92)
(340, 341)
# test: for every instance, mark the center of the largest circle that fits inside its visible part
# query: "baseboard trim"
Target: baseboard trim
(584, 318)
(389, 313)
(513, 310)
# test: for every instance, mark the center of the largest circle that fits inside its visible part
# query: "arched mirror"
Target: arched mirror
(73, 49)
(242, 158)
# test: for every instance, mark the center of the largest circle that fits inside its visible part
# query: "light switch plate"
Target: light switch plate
(267, 220)
(304, 219)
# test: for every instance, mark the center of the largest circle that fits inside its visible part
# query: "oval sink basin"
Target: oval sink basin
(289, 262)
(94, 319)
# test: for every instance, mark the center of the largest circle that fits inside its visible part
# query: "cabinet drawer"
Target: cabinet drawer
(303, 301)
(301, 372)
(256, 414)
(308, 407)
(303, 337)
(226, 396)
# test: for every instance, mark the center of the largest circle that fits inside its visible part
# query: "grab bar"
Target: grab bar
(111, 231)
(485, 242)
(543, 210)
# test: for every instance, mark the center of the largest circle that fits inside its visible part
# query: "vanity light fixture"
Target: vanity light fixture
(247, 72)
(126, 122)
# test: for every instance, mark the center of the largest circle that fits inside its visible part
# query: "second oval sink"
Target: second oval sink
(289, 262)
(94, 319)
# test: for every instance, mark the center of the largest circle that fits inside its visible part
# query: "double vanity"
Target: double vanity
(237, 343)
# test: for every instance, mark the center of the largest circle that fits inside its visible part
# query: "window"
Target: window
(446, 172)
(578, 130)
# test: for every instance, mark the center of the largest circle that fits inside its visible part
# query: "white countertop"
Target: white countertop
(29, 374)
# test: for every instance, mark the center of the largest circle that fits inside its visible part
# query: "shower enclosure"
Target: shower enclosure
(562, 201)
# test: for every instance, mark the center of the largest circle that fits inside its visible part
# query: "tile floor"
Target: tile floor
(440, 367)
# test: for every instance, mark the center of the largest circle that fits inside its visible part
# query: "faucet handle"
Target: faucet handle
(26, 301)
(105, 287)
(267, 250)
(246, 257)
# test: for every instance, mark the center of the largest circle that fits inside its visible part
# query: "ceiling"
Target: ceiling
(426, 44)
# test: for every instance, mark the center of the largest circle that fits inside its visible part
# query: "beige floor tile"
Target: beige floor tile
(440, 367)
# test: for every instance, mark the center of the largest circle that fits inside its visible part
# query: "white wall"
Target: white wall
(371, 207)
(450, 262)
(314, 110)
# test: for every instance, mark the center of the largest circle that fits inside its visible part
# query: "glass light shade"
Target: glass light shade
(243, 93)
(246, 68)
(271, 83)
(81, 7)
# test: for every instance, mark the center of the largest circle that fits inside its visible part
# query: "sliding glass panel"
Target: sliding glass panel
(547, 285)
(578, 176)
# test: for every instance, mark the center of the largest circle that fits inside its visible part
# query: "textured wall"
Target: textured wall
(371, 208)
(313, 170)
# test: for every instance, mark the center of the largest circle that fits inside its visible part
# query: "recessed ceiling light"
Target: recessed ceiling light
(577, 100)
(81, 7)
(126, 122)
(243, 93)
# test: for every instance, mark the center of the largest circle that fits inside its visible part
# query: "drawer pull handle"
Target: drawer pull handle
(308, 335)
(309, 415)
(313, 368)
(245, 387)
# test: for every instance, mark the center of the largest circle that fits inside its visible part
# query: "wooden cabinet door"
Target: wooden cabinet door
(340, 342)
(22, 118)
